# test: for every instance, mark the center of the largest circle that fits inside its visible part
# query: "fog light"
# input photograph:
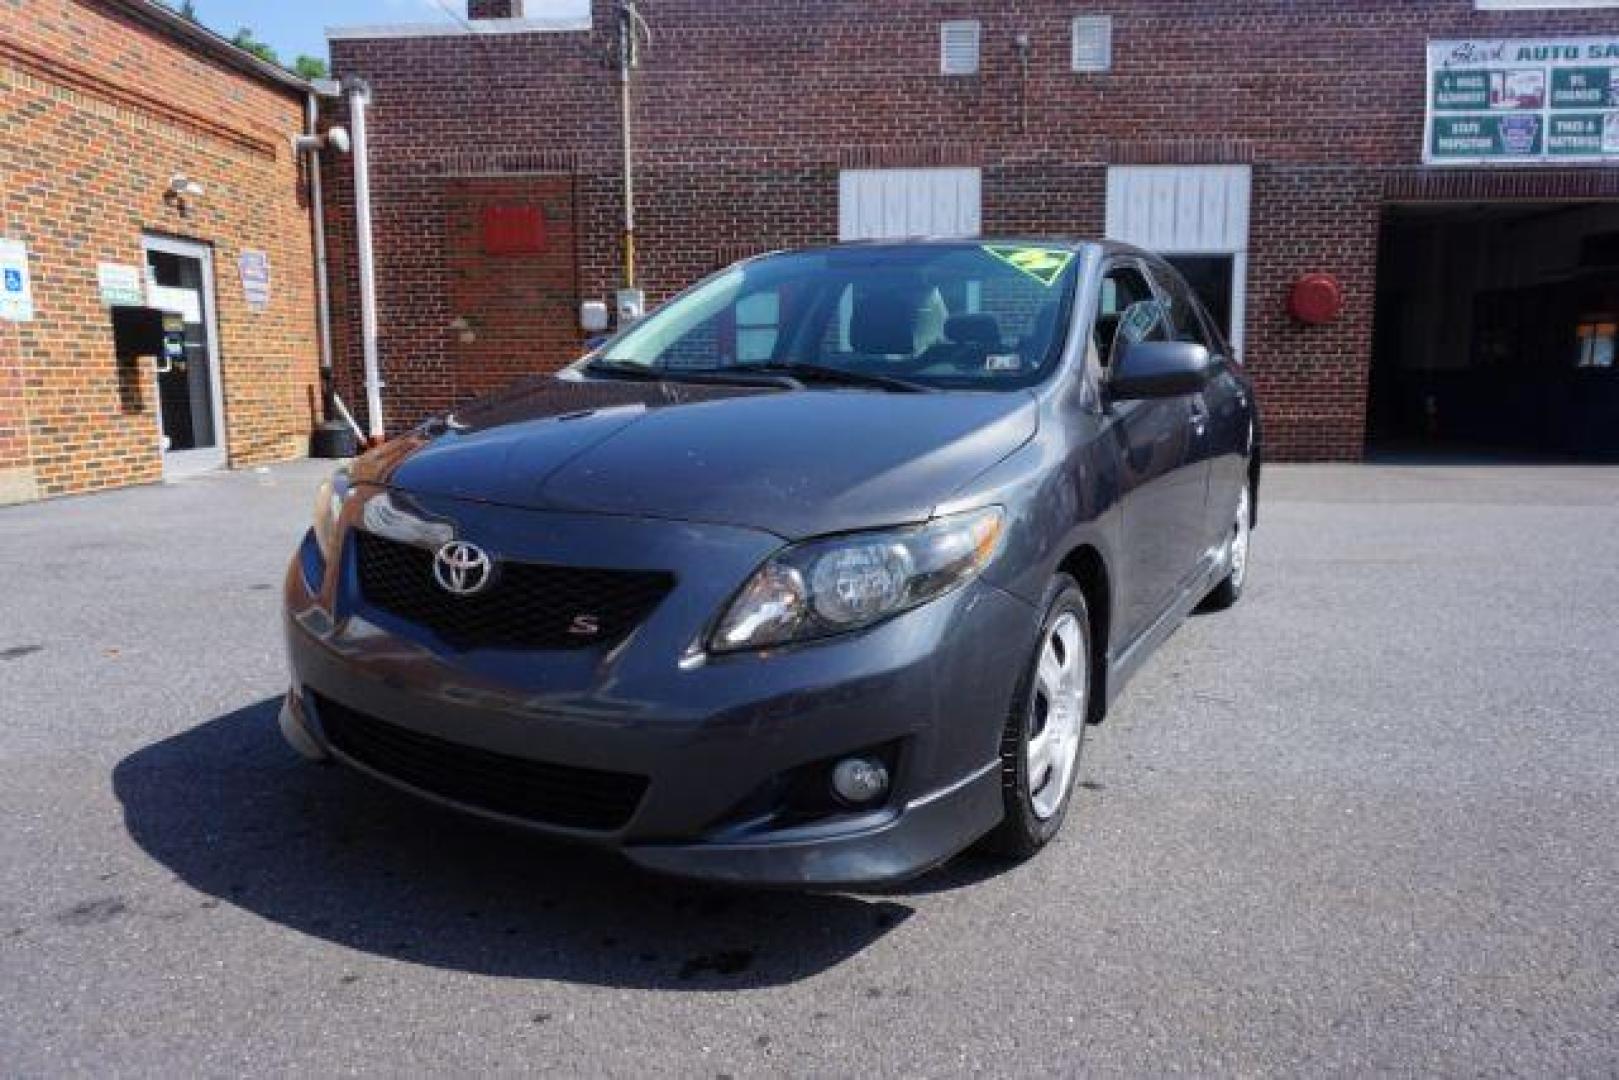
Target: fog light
(859, 780)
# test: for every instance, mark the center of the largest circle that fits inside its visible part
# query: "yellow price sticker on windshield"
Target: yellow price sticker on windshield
(1045, 265)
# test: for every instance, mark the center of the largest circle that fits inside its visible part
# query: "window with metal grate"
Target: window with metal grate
(958, 47)
(1093, 43)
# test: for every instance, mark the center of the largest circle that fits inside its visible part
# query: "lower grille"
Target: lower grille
(543, 793)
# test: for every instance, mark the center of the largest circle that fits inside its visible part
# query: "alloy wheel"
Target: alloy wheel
(1057, 720)
(1239, 541)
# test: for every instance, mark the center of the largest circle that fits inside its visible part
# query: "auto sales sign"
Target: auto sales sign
(1535, 101)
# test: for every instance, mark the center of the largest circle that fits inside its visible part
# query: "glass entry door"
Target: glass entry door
(190, 415)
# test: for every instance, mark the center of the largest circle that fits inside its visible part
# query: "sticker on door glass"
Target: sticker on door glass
(1045, 265)
(1139, 320)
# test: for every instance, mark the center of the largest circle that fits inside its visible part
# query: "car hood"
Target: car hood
(795, 463)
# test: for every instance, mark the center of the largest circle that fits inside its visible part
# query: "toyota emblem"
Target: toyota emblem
(462, 568)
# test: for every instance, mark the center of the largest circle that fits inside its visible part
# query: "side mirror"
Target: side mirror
(1157, 369)
(593, 316)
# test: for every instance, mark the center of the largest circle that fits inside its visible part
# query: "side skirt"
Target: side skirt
(1123, 667)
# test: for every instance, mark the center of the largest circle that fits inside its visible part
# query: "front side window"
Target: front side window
(1128, 312)
(965, 316)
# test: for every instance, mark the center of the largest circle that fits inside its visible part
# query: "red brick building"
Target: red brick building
(145, 161)
(1257, 140)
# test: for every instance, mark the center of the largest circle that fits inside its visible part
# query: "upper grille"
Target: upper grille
(538, 791)
(528, 606)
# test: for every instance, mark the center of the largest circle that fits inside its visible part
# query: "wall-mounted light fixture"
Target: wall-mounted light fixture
(181, 191)
(336, 137)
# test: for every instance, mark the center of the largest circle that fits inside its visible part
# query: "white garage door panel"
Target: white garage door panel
(1184, 209)
(885, 204)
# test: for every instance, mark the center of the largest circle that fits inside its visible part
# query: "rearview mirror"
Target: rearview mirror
(1156, 369)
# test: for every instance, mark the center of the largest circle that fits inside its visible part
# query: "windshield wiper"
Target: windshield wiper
(629, 369)
(842, 376)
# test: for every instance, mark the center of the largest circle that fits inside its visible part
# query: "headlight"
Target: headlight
(825, 587)
(328, 507)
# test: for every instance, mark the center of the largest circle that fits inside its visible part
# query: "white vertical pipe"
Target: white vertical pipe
(323, 303)
(359, 98)
(626, 61)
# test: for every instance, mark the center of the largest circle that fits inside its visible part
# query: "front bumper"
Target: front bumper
(933, 685)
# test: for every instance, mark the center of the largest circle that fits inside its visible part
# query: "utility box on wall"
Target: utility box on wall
(137, 331)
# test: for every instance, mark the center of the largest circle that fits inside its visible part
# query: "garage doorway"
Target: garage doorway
(1496, 331)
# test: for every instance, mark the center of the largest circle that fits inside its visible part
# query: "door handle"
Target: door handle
(1199, 419)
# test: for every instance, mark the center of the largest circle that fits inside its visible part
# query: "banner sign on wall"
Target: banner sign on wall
(121, 285)
(254, 267)
(16, 291)
(1552, 101)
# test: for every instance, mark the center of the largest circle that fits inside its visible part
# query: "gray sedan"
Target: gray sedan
(814, 577)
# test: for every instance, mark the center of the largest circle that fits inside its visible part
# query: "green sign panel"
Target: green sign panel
(1523, 101)
(1583, 135)
(1585, 88)
(1461, 90)
(1486, 136)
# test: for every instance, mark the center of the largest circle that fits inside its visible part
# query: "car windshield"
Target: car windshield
(938, 316)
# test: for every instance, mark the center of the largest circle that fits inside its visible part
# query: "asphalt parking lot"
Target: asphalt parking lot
(1366, 821)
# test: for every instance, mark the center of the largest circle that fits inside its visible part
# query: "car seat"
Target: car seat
(897, 320)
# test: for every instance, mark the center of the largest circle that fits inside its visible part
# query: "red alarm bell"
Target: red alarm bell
(1316, 299)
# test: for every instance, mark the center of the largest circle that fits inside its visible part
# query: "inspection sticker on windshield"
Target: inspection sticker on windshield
(1045, 265)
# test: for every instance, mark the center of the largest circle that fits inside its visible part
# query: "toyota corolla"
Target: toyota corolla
(815, 576)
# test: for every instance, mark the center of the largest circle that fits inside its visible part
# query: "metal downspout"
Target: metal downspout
(323, 307)
(359, 97)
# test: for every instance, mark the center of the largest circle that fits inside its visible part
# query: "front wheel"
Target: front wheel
(1040, 747)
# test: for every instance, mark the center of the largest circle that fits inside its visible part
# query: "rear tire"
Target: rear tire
(1045, 730)
(1229, 591)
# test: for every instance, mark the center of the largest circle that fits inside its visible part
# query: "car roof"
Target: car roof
(1078, 245)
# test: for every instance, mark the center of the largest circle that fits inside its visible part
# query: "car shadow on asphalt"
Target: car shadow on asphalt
(325, 851)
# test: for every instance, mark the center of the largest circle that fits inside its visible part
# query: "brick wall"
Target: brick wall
(100, 112)
(745, 112)
(514, 290)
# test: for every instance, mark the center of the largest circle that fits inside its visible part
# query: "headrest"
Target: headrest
(885, 321)
(973, 329)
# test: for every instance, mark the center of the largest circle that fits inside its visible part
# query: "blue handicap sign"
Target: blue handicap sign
(13, 281)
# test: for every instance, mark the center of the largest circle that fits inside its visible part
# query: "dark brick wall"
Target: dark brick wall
(746, 111)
